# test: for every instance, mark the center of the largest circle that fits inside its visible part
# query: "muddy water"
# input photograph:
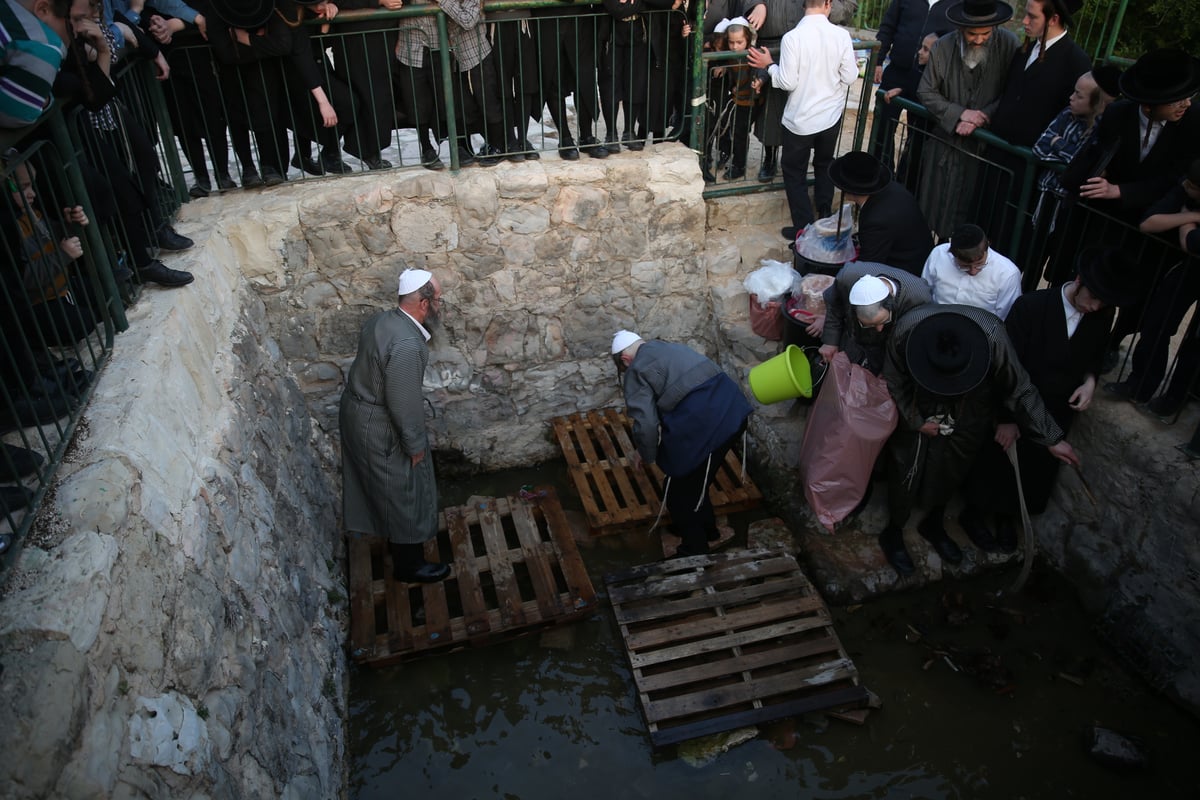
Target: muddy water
(983, 697)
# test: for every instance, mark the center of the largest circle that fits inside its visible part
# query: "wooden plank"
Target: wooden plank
(660, 569)
(565, 432)
(663, 736)
(622, 436)
(712, 699)
(743, 594)
(362, 597)
(433, 595)
(780, 610)
(778, 564)
(620, 468)
(726, 641)
(731, 666)
(466, 570)
(579, 585)
(509, 594)
(535, 553)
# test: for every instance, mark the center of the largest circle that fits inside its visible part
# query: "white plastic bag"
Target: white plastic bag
(771, 281)
(829, 240)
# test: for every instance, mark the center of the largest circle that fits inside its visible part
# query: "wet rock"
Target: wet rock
(1114, 749)
(770, 534)
(702, 751)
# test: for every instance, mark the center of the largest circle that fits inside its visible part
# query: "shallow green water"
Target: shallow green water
(555, 715)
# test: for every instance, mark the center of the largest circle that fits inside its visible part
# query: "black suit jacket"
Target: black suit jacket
(1033, 97)
(892, 230)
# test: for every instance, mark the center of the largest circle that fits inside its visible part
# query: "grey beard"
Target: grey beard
(974, 56)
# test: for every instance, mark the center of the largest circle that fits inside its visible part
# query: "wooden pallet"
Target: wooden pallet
(615, 496)
(515, 569)
(726, 640)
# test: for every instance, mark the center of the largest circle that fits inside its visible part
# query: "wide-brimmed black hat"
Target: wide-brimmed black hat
(979, 13)
(948, 353)
(1064, 8)
(246, 14)
(1161, 76)
(1105, 272)
(858, 172)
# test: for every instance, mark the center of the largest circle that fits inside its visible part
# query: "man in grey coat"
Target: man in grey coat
(388, 485)
(861, 307)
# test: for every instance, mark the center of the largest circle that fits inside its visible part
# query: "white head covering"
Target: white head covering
(413, 279)
(867, 290)
(725, 23)
(622, 339)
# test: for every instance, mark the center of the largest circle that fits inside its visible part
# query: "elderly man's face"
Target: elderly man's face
(876, 322)
(977, 37)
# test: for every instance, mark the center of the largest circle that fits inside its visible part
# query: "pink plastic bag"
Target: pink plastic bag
(851, 420)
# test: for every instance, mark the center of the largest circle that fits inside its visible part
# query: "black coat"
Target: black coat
(904, 25)
(1033, 97)
(892, 230)
(1142, 182)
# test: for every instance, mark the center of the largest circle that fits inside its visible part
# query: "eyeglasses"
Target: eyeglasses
(977, 265)
(1184, 103)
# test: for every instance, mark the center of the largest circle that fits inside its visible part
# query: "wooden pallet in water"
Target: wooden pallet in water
(727, 640)
(597, 446)
(515, 569)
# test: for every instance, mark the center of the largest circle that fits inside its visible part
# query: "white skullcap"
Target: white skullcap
(622, 339)
(413, 279)
(724, 24)
(867, 290)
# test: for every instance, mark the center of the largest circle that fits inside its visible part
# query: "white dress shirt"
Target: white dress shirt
(1073, 314)
(816, 66)
(994, 289)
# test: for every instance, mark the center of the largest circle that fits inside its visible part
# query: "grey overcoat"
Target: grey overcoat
(382, 420)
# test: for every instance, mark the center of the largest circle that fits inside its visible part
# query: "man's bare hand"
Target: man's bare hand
(759, 57)
(827, 352)
(635, 460)
(1065, 453)
(417, 458)
(1099, 189)
(1006, 434)
(879, 73)
(757, 16)
(817, 326)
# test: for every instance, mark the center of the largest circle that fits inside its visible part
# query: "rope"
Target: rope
(662, 505)
(704, 485)
(1027, 565)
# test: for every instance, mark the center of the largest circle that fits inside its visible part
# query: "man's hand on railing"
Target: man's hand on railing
(162, 70)
(202, 26)
(391, 5)
(75, 214)
(1099, 189)
(890, 93)
(759, 57)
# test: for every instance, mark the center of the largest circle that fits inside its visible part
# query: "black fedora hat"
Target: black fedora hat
(246, 14)
(858, 172)
(948, 353)
(1161, 76)
(978, 13)
(1105, 272)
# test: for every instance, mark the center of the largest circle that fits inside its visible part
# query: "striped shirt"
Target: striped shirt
(32, 55)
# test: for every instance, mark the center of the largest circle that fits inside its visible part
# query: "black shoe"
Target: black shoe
(333, 164)
(767, 173)
(593, 147)
(891, 542)
(465, 156)
(14, 498)
(201, 189)
(1006, 533)
(1166, 408)
(251, 180)
(570, 153)
(381, 163)
(425, 572)
(168, 239)
(612, 144)
(735, 172)
(25, 412)
(790, 232)
(706, 173)
(488, 156)
(225, 183)
(1128, 389)
(978, 532)
(636, 145)
(17, 462)
(932, 530)
(160, 273)
(305, 164)
(515, 152)
(271, 177)
(722, 159)
(430, 159)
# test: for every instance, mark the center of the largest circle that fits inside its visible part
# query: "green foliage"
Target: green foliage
(1146, 25)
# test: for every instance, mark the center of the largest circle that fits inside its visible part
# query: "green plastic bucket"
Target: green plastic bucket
(784, 377)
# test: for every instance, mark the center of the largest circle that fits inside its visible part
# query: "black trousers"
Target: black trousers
(692, 513)
(1166, 308)
(796, 152)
